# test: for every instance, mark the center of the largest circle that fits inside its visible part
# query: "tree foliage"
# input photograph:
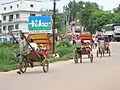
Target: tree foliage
(117, 9)
(91, 16)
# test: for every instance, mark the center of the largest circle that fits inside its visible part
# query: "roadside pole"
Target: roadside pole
(54, 25)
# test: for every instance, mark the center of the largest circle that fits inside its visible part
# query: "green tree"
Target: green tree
(85, 13)
(116, 18)
(117, 9)
(101, 18)
(91, 16)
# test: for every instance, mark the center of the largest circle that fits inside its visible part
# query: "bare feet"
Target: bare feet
(18, 72)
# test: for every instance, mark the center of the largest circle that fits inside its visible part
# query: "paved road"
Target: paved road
(103, 74)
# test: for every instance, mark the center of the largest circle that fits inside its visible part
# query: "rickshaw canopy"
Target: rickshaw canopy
(86, 38)
(41, 39)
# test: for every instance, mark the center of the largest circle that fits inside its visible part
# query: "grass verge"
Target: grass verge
(9, 62)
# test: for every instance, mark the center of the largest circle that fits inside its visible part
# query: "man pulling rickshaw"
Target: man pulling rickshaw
(107, 45)
(82, 48)
(100, 49)
(25, 49)
(29, 51)
(103, 45)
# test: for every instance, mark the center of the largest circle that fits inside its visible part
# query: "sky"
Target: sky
(107, 4)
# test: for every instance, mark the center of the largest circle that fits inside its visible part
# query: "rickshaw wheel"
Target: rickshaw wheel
(91, 58)
(23, 66)
(80, 58)
(45, 66)
(88, 55)
(109, 52)
(76, 58)
(97, 53)
(101, 52)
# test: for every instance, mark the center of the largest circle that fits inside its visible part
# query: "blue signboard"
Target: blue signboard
(40, 23)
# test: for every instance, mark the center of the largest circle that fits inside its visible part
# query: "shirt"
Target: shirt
(101, 43)
(78, 43)
(24, 47)
(34, 45)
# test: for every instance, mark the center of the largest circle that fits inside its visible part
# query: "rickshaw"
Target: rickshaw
(35, 56)
(107, 44)
(99, 49)
(85, 50)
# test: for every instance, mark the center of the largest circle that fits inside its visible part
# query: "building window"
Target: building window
(17, 16)
(4, 27)
(32, 14)
(4, 18)
(4, 8)
(10, 17)
(17, 26)
(17, 5)
(10, 7)
(31, 5)
(11, 27)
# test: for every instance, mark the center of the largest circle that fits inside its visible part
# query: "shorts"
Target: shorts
(78, 50)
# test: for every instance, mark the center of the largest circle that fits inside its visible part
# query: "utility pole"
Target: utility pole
(54, 13)
(73, 10)
(54, 25)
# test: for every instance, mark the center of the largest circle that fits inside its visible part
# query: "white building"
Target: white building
(15, 14)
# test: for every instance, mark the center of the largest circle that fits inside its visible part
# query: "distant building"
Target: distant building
(15, 14)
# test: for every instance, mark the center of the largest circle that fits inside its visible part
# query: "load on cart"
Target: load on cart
(83, 47)
(36, 49)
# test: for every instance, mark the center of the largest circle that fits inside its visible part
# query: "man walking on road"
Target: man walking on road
(24, 47)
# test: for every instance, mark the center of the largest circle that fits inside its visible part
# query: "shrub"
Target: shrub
(64, 43)
(64, 48)
(6, 56)
(9, 62)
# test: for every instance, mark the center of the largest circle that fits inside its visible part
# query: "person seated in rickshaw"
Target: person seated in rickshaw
(42, 47)
(106, 41)
(106, 46)
(88, 47)
(34, 45)
(42, 51)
